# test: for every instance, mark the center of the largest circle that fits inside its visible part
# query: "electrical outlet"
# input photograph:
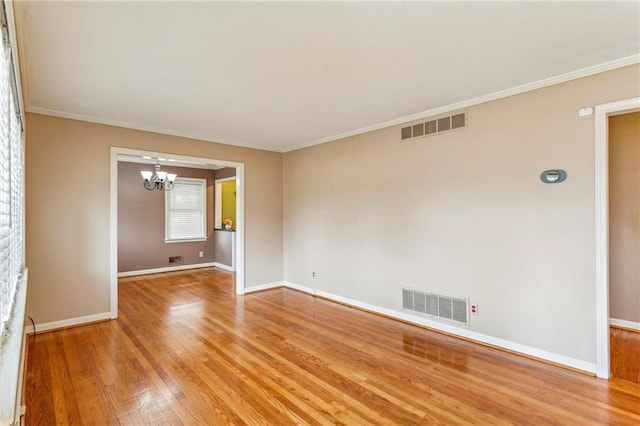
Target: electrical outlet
(474, 309)
(201, 254)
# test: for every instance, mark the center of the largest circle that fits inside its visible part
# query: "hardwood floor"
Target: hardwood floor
(186, 350)
(625, 354)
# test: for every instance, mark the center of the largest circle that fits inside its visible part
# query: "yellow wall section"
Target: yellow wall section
(229, 201)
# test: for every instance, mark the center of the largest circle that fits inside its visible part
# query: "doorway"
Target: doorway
(603, 113)
(624, 245)
(117, 153)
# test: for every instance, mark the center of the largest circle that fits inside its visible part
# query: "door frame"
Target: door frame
(602, 114)
(113, 226)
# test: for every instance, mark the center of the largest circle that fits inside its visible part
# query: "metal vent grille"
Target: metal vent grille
(434, 126)
(438, 305)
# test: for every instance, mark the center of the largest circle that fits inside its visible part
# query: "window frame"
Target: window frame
(188, 181)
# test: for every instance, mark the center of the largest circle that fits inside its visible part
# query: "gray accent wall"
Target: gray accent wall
(141, 221)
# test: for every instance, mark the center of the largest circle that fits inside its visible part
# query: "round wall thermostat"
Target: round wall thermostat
(553, 176)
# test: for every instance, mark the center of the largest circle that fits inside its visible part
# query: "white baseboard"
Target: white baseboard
(166, 269)
(287, 284)
(224, 267)
(299, 287)
(262, 287)
(589, 367)
(47, 326)
(624, 323)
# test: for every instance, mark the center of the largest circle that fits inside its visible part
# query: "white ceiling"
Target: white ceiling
(284, 75)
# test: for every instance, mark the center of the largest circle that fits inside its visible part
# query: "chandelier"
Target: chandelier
(162, 181)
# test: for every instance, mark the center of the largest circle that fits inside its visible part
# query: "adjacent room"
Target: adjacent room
(319, 212)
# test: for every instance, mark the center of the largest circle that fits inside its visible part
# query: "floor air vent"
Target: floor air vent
(434, 126)
(437, 305)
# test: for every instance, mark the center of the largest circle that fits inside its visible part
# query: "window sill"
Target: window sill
(190, 240)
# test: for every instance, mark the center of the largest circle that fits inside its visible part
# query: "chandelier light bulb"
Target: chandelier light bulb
(160, 180)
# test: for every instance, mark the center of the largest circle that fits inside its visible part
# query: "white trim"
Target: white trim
(624, 323)
(19, 412)
(224, 267)
(165, 269)
(47, 326)
(588, 367)
(239, 259)
(602, 228)
(299, 287)
(11, 24)
(217, 213)
(262, 287)
(286, 284)
(584, 72)
(193, 240)
(240, 242)
(113, 234)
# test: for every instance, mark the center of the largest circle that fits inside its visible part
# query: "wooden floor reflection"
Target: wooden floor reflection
(187, 350)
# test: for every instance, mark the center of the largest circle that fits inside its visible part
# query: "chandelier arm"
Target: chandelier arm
(149, 185)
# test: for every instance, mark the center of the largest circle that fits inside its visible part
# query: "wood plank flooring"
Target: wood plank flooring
(186, 350)
(625, 354)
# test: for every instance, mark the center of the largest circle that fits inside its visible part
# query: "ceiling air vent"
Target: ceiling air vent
(434, 126)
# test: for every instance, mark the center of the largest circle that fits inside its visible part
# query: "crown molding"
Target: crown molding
(573, 75)
(133, 126)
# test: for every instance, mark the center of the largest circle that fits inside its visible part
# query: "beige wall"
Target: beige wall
(624, 217)
(473, 217)
(67, 210)
(141, 221)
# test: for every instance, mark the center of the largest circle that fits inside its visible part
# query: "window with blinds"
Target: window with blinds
(185, 210)
(11, 189)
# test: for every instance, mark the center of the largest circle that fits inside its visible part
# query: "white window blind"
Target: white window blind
(11, 189)
(185, 212)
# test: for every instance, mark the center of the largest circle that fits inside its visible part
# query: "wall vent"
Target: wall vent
(434, 126)
(437, 305)
(175, 259)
